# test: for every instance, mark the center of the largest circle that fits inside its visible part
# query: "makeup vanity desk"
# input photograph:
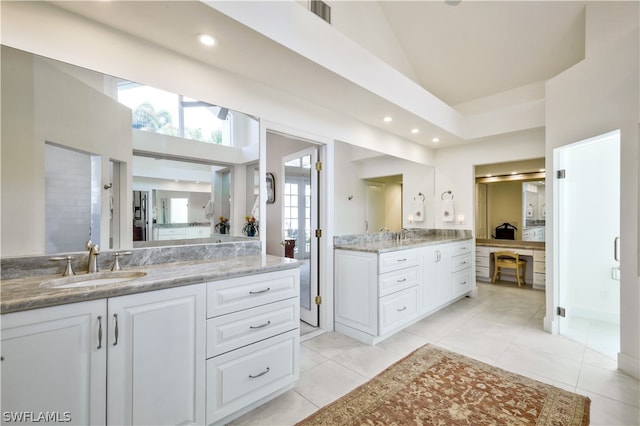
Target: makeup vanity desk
(533, 252)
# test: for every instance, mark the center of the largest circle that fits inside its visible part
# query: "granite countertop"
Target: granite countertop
(383, 246)
(20, 294)
(539, 245)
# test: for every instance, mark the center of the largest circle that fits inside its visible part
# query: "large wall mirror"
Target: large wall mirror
(91, 156)
(511, 196)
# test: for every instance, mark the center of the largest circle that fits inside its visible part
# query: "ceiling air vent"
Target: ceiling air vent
(321, 9)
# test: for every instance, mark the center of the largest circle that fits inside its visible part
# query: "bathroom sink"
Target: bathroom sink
(95, 279)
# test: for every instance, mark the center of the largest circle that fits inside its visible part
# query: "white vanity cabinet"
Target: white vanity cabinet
(126, 360)
(53, 361)
(253, 341)
(376, 295)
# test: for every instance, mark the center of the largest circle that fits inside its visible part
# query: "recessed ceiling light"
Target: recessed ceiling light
(206, 39)
(387, 119)
(415, 131)
(435, 140)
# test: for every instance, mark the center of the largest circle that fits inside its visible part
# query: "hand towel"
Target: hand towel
(418, 212)
(208, 210)
(447, 210)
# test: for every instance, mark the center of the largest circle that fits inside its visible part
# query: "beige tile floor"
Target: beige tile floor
(502, 327)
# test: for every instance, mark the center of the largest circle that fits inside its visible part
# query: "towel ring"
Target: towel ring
(450, 195)
(420, 194)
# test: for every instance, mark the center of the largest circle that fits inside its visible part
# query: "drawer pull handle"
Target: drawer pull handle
(259, 374)
(404, 308)
(261, 325)
(402, 260)
(99, 332)
(260, 291)
(463, 283)
(402, 280)
(115, 333)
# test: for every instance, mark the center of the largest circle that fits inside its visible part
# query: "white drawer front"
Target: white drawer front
(483, 272)
(397, 309)
(398, 280)
(397, 260)
(482, 261)
(539, 278)
(239, 378)
(461, 249)
(232, 331)
(482, 252)
(461, 283)
(539, 256)
(539, 267)
(459, 263)
(231, 295)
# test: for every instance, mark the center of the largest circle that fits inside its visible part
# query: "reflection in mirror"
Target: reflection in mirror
(44, 100)
(383, 211)
(511, 193)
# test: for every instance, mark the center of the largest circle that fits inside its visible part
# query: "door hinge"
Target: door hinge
(561, 174)
(561, 312)
(318, 166)
(318, 300)
(318, 233)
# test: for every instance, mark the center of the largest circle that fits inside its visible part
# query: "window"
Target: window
(166, 113)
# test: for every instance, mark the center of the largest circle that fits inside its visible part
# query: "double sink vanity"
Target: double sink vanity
(184, 342)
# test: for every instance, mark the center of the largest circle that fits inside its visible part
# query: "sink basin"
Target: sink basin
(96, 279)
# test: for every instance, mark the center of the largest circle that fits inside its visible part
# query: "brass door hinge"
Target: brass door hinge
(318, 233)
(318, 300)
(318, 166)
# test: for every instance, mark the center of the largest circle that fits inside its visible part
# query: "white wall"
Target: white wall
(598, 95)
(455, 169)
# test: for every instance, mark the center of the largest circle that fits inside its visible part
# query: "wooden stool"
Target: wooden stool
(509, 260)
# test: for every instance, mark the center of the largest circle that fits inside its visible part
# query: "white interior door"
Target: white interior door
(300, 220)
(587, 201)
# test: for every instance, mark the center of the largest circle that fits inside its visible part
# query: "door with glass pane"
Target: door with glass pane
(588, 216)
(300, 220)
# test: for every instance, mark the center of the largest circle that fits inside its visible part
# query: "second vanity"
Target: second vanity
(192, 342)
(384, 285)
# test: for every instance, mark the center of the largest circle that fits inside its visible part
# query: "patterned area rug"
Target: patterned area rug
(432, 386)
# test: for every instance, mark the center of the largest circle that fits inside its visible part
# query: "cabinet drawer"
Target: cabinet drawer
(397, 260)
(398, 280)
(227, 296)
(539, 278)
(246, 375)
(539, 267)
(483, 272)
(482, 261)
(459, 263)
(232, 331)
(461, 283)
(539, 256)
(482, 252)
(461, 249)
(397, 309)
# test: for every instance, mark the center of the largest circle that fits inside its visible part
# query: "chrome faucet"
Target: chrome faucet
(94, 251)
(403, 233)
